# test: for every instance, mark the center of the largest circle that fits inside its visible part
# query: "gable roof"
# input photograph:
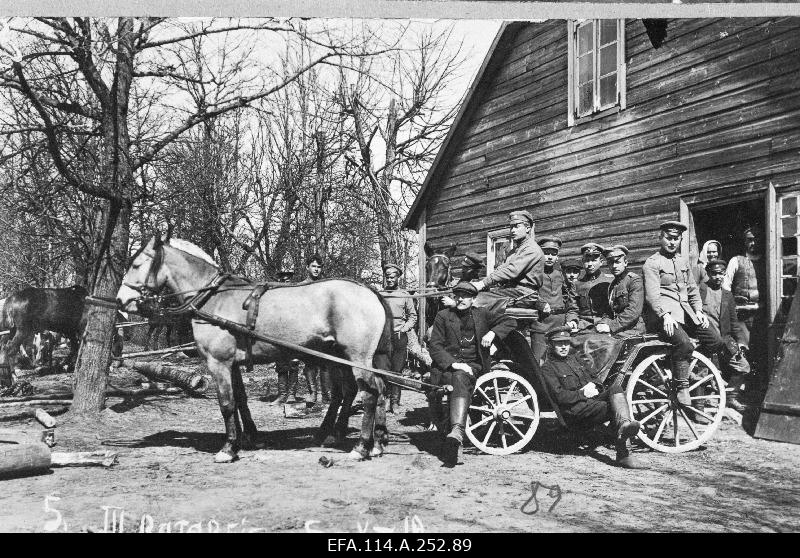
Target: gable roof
(491, 62)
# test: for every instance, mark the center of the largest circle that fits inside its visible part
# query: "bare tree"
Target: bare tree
(77, 78)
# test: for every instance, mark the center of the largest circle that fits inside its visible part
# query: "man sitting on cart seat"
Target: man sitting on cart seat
(719, 306)
(572, 269)
(556, 297)
(516, 281)
(674, 308)
(459, 347)
(582, 402)
(625, 297)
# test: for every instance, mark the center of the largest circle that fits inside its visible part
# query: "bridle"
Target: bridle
(445, 261)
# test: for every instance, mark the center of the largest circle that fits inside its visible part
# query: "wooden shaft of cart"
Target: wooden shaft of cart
(394, 378)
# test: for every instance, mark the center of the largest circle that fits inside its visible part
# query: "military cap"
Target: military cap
(473, 260)
(672, 225)
(572, 262)
(748, 231)
(592, 249)
(520, 216)
(559, 332)
(465, 287)
(616, 251)
(389, 266)
(549, 242)
(716, 263)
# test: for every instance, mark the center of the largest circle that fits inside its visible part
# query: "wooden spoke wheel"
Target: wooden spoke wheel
(503, 414)
(667, 425)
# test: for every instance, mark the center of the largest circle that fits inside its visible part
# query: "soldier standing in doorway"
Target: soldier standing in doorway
(746, 279)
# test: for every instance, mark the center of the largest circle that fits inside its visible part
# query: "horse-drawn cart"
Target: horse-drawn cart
(510, 399)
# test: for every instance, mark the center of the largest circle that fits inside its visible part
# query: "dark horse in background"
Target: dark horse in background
(337, 316)
(35, 310)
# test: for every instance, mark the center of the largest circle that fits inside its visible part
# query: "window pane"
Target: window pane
(586, 69)
(789, 246)
(789, 286)
(608, 31)
(790, 267)
(585, 38)
(789, 226)
(608, 60)
(585, 98)
(789, 206)
(608, 90)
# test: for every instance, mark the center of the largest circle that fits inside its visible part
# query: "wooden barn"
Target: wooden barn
(604, 128)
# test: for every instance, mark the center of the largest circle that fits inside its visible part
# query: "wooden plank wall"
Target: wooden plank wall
(714, 112)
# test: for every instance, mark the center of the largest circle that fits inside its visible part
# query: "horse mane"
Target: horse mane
(191, 248)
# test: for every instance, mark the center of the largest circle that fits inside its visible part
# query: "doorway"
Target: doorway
(725, 224)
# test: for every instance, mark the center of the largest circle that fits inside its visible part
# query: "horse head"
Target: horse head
(437, 267)
(144, 276)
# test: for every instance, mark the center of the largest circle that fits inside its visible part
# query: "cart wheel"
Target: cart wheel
(504, 413)
(668, 426)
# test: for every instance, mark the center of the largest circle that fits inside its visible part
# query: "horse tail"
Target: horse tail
(383, 353)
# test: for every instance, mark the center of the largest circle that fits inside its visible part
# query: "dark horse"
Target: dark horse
(336, 316)
(34, 310)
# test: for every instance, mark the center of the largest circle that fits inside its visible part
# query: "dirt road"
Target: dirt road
(166, 479)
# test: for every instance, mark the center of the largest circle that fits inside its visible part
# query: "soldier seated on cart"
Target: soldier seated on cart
(459, 347)
(519, 277)
(584, 403)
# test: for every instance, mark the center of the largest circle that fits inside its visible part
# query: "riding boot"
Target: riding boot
(283, 388)
(451, 453)
(735, 393)
(626, 429)
(325, 384)
(291, 391)
(310, 373)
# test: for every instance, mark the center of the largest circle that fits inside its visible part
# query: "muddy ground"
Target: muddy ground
(166, 479)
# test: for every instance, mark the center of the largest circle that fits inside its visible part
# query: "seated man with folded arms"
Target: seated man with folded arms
(584, 403)
(459, 346)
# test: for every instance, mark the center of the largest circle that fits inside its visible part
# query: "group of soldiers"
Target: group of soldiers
(580, 306)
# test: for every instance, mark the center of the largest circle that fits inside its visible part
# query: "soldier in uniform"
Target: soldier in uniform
(472, 266)
(572, 270)
(518, 278)
(459, 346)
(318, 376)
(287, 370)
(556, 297)
(673, 306)
(591, 292)
(719, 306)
(625, 297)
(746, 279)
(404, 318)
(581, 401)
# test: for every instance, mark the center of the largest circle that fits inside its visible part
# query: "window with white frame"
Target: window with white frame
(596, 53)
(498, 243)
(789, 232)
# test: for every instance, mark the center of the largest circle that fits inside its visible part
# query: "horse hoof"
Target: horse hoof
(356, 455)
(377, 451)
(224, 457)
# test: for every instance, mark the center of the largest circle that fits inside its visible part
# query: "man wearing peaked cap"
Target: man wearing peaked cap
(472, 266)
(591, 292)
(404, 318)
(572, 269)
(459, 346)
(580, 400)
(625, 296)
(674, 309)
(556, 297)
(518, 277)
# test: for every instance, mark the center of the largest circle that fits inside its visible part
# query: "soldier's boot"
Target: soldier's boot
(283, 391)
(626, 429)
(291, 390)
(681, 369)
(325, 384)
(453, 443)
(394, 398)
(311, 380)
(735, 394)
